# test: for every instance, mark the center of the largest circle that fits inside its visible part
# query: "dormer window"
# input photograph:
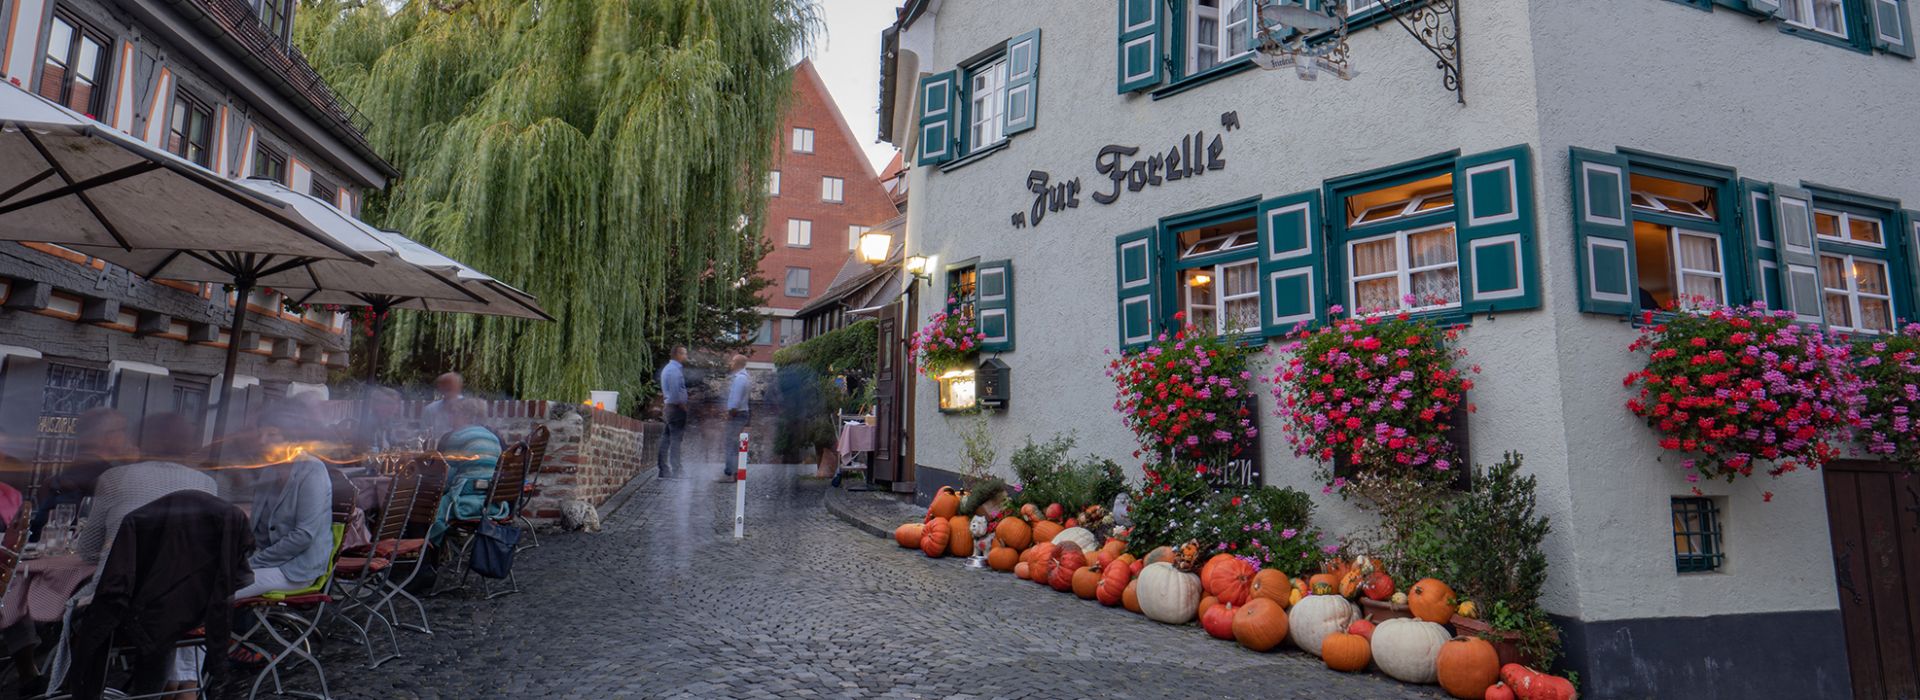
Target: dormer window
(277, 15)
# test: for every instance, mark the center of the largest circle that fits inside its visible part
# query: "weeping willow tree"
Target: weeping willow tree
(608, 156)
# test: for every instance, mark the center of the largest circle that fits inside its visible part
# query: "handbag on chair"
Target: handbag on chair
(493, 549)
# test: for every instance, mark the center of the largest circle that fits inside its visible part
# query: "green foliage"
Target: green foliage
(601, 154)
(980, 492)
(852, 349)
(1493, 539)
(976, 446)
(1048, 475)
(1176, 503)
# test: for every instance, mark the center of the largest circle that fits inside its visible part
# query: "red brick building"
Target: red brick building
(824, 193)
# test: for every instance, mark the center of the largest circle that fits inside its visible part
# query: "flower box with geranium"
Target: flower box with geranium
(948, 342)
(1378, 393)
(1185, 396)
(1732, 388)
(1889, 368)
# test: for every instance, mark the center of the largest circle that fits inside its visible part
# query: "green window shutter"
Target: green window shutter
(1890, 26)
(1023, 82)
(1140, 47)
(938, 97)
(1756, 228)
(1799, 252)
(994, 280)
(1909, 223)
(1292, 274)
(1603, 234)
(1136, 260)
(1493, 198)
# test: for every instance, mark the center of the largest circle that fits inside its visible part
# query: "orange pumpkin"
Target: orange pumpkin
(1362, 627)
(1159, 554)
(1114, 578)
(1528, 684)
(960, 536)
(1230, 580)
(946, 503)
(1323, 584)
(1379, 586)
(1206, 603)
(1002, 558)
(1218, 621)
(1350, 584)
(1023, 570)
(1347, 653)
(1046, 530)
(1270, 584)
(1260, 625)
(1467, 666)
(1039, 562)
(1130, 597)
(1086, 582)
(1014, 532)
(1499, 691)
(1067, 559)
(1206, 572)
(908, 535)
(1431, 600)
(934, 536)
(1113, 549)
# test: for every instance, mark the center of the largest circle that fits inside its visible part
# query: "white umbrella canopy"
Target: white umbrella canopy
(489, 296)
(73, 182)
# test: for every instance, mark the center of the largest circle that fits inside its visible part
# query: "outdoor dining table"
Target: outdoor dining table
(855, 439)
(42, 586)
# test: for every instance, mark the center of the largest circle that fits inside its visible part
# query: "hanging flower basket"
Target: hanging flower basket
(1377, 392)
(1729, 388)
(948, 342)
(1185, 396)
(1889, 370)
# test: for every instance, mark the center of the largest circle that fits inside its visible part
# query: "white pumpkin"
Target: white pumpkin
(1080, 536)
(1168, 594)
(1315, 617)
(1408, 649)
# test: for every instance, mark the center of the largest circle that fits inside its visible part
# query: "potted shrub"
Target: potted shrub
(1732, 388)
(1491, 555)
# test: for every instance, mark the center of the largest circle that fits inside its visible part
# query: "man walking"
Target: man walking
(673, 393)
(737, 413)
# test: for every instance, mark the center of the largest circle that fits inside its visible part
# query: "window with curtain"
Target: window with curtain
(1677, 244)
(1219, 276)
(1217, 31)
(986, 97)
(1403, 254)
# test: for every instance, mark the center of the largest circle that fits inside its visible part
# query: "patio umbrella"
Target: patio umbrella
(73, 182)
(487, 296)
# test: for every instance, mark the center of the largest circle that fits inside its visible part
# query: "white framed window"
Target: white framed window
(833, 189)
(1847, 227)
(773, 183)
(1824, 16)
(1422, 203)
(986, 102)
(799, 284)
(854, 233)
(802, 140)
(799, 233)
(1414, 270)
(1664, 204)
(1857, 294)
(1355, 7)
(1697, 266)
(1217, 31)
(1224, 298)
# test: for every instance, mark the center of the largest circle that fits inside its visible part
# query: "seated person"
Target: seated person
(103, 442)
(471, 451)
(170, 444)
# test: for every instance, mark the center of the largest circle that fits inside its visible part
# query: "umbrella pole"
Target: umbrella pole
(243, 288)
(373, 339)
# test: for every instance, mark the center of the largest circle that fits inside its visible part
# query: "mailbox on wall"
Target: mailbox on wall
(992, 379)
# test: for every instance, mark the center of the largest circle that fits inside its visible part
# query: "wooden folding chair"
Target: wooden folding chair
(503, 494)
(360, 576)
(427, 476)
(536, 456)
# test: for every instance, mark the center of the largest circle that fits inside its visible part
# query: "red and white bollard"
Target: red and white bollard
(740, 492)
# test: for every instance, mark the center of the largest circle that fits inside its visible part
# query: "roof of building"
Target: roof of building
(858, 283)
(240, 27)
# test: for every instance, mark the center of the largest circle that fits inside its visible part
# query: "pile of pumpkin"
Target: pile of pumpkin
(1234, 601)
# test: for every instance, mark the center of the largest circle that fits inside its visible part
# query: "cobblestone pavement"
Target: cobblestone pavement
(665, 603)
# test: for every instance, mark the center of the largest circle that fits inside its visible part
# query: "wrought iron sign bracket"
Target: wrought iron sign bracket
(1436, 25)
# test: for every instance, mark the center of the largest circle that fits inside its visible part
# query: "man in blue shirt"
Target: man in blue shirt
(737, 413)
(673, 393)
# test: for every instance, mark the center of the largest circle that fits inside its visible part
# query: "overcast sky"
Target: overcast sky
(847, 53)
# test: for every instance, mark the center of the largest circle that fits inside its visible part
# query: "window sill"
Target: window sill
(1236, 66)
(975, 156)
(1824, 38)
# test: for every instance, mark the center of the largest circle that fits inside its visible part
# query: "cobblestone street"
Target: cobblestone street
(664, 603)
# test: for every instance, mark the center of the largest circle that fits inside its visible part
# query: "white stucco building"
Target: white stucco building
(1607, 156)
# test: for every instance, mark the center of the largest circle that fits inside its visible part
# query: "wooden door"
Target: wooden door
(886, 392)
(1873, 510)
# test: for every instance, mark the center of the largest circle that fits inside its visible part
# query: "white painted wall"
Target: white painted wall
(1644, 74)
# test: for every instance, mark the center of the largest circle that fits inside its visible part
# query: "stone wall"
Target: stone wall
(591, 454)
